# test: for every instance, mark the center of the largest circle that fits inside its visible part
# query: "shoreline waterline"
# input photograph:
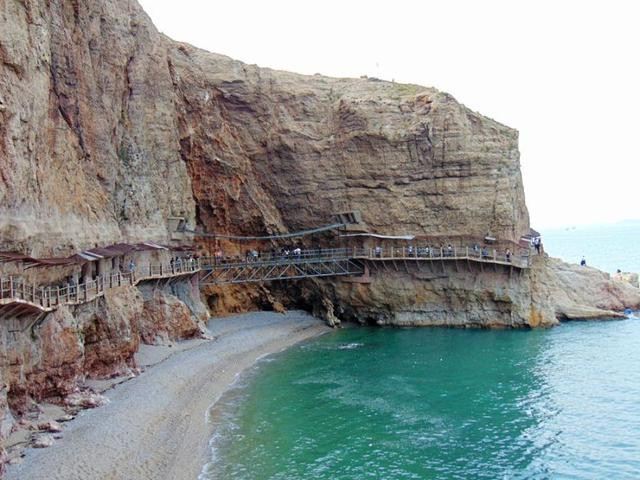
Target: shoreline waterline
(432, 403)
(156, 425)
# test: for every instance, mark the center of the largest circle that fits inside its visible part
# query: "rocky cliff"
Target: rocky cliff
(88, 135)
(50, 358)
(109, 127)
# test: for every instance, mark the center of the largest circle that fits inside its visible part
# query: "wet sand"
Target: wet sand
(156, 425)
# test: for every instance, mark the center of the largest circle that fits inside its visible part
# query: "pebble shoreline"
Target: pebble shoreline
(154, 426)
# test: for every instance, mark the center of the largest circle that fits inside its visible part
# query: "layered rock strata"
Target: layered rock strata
(109, 128)
(49, 359)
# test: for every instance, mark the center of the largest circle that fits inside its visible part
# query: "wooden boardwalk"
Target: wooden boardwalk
(341, 261)
(18, 297)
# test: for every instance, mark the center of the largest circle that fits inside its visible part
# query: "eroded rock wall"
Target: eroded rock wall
(49, 358)
(578, 292)
(89, 152)
(468, 295)
(109, 128)
(271, 151)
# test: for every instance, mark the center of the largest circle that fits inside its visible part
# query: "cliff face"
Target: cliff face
(466, 295)
(289, 150)
(108, 128)
(50, 358)
(89, 149)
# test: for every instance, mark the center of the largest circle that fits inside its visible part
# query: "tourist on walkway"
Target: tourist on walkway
(583, 262)
(378, 251)
(508, 255)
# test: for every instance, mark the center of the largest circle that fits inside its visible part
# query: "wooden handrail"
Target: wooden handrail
(71, 294)
(47, 298)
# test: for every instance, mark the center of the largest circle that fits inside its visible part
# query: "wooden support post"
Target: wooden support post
(10, 287)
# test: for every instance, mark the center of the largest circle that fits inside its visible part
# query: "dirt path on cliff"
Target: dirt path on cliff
(155, 424)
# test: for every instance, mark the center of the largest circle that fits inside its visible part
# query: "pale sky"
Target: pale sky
(565, 74)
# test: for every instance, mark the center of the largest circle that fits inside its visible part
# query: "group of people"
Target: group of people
(177, 263)
(252, 255)
(446, 251)
(295, 252)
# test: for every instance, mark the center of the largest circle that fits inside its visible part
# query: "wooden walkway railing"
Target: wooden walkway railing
(265, 267)
(339, 261)
(492, 256)
(373, 254)
(16, 290)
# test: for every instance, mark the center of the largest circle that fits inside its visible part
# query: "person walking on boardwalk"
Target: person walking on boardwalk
(508, 255)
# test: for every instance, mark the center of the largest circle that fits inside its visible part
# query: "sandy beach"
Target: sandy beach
(155, 425)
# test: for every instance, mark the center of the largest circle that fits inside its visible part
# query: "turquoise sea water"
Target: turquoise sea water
(372, 403)
(607, 247)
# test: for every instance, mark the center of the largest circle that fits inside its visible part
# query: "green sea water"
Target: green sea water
(376, 403)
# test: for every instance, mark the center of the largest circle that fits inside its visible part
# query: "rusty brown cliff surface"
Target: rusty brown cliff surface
(108, 128)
